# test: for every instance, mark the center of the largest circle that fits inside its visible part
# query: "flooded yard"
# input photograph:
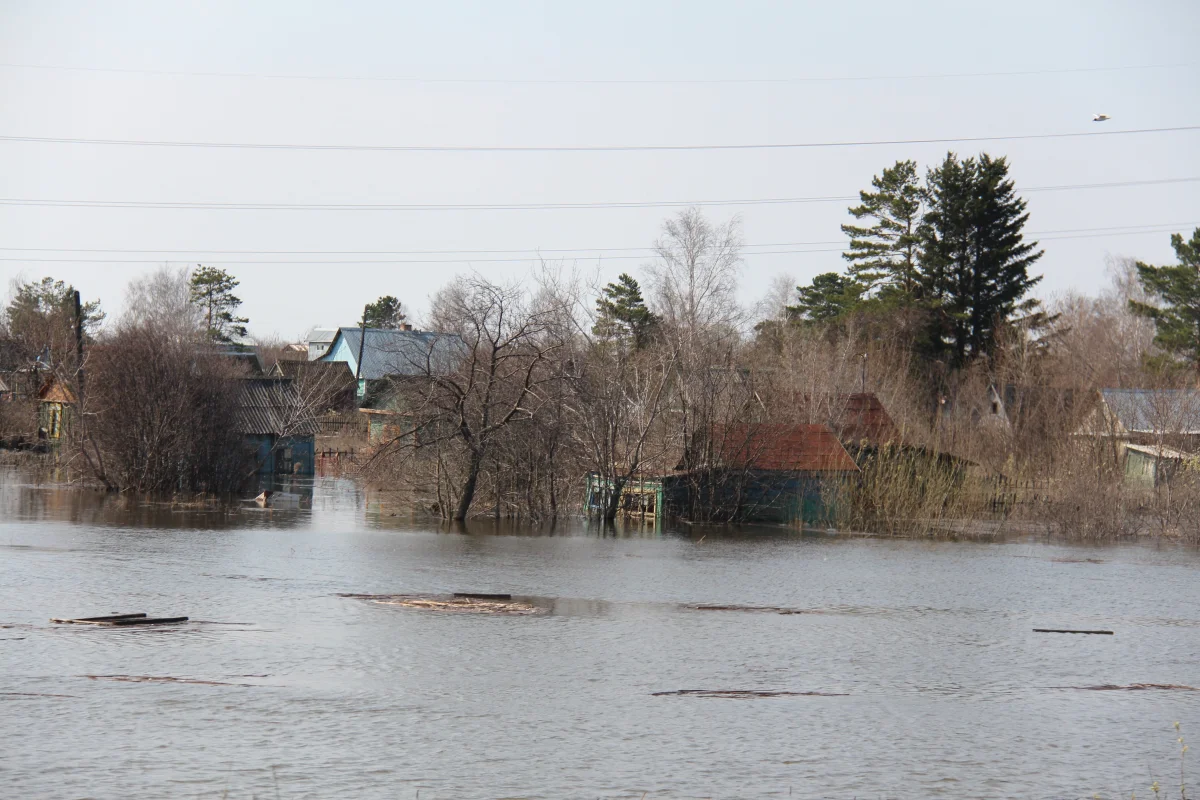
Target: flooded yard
(679, 664)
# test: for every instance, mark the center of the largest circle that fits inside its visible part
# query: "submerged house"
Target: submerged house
(278, 427)
(1150, 433)
(384, 363)
(769, 473)
(329, 385)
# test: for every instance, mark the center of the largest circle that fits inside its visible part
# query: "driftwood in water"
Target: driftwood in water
(481, 596)
(122, 620)
(452, 604)
(1056, 630)
(1133, 687)
(761, 609)
(99, 620)
(162, 679)
(742, 693)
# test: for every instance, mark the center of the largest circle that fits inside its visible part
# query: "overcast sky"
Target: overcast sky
(563, 74)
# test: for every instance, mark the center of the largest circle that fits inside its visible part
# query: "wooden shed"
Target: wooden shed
(56, 409)
(770, 472)
(278, 426)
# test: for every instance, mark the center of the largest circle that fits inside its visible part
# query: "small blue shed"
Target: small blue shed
(278, 426)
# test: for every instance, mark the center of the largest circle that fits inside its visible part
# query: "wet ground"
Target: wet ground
(744, 664)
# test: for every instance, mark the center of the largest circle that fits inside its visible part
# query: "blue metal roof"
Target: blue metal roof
(395, 352)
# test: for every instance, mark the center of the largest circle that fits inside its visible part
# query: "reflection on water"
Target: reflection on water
(901, 669)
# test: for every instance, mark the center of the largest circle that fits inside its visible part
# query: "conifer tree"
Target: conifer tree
(212, 290)
(974, 259)
(386, 312)
(621, 313)
(883, 254)
(829, 297)
(1177, 287)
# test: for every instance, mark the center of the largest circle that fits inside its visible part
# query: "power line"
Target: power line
(1157, 227)
(214, 206)
(600, 81)
(526, 259)
(584, 148)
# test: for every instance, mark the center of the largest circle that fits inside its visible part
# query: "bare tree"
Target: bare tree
(504, 366)
(619, 394)
(161, 401)
(693, 278)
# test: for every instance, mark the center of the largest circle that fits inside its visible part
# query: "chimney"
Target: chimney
(404, 326)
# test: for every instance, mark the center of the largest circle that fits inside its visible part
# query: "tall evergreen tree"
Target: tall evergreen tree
(621, 312)
(386, 312)
(41, 315)
(884, 253)
(212, 291)
(829, 297)
(974, 259)
(1177, 287)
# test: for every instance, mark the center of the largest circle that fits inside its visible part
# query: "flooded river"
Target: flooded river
(928, 679)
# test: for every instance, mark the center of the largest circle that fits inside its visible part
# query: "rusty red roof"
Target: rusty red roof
(778, 446)
(863, 417)
(55, 391)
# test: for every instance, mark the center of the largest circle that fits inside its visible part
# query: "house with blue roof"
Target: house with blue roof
(384, 361)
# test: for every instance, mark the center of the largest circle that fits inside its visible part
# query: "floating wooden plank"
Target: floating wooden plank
(1133, 687)
(759, 609)
(162, 679)
(122, 621)
(98, 620)
(742, 693)
(1057, 630)
(481, 596)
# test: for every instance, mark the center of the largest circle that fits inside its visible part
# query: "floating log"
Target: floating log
(122, 620)
(481, 596)
(742, 693)
(456, 603)
(1133, 687)
(1057, 630)
(164, 679)
(761, 609)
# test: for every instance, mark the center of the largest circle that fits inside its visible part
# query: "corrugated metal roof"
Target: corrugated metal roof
(792, 448)
(855, 418)
(392, 352)
(272, 406)
(1171, 411)
(321, 335)
(333, 371)
(1158, 452)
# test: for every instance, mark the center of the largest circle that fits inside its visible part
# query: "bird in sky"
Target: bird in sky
(1101, 118)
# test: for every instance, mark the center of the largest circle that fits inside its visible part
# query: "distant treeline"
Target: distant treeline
(559, 376)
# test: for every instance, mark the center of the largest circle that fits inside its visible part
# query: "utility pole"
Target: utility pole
(362, 341)
(79, 350)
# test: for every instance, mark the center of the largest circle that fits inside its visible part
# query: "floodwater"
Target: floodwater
(934, 684)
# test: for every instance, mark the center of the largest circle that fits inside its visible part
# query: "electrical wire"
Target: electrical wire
(199, 205)
(1158, 227)
(585, 148)
(594, 81)
(526, 259)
